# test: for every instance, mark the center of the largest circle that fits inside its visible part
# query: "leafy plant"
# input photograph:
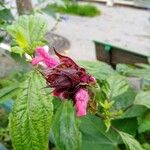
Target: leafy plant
(76, 9)
(81, 107)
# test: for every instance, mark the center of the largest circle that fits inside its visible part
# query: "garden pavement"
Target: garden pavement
(125, 27)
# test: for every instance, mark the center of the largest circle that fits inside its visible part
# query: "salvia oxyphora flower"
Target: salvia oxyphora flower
(68, 80)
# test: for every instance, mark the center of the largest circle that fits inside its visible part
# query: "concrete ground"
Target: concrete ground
(126, 27)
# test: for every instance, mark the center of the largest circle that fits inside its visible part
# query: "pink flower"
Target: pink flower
(42, 56)
(81, 102)
(68, 80)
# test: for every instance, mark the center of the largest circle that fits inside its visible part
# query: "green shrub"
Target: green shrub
(76, 9)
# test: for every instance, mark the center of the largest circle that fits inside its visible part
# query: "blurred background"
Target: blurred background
(113, 31)
(123, 23)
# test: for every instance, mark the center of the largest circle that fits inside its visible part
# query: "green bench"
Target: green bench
(113, 55)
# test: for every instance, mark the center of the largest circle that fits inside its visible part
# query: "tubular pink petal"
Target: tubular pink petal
(81, 99)
(82, 95)
(36, 60)
(43, 56)
(51, 62)
(80, 109)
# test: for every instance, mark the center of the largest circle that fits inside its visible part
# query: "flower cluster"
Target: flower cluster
(68, 80)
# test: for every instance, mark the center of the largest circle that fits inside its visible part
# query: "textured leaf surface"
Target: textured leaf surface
(30, 119)
(65, 128)
(116, 85)
(130, 142)
(143, 70)
(94, 136)
(124, 100)
(143, 98)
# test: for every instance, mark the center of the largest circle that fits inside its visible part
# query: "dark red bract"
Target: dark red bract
(67, 76)
(68, 80)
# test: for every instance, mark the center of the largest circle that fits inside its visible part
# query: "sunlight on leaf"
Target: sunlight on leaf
(28, 33)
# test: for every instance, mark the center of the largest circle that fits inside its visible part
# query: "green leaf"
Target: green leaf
(115, 86)
(94, 136)
(17, 50)
(145, 84)
(28, 33)
(146, 146)
(124, 100)
(65, 128)
(143, 98)
(144, 126)
(100, 70)
(30, 119)
(134, 111)
(128, 125)
(9, 86)
(6, 14)
(141, 71)
(107, 123)
(6, 17)
(144, 123)
(8, 92)
(130, 142)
